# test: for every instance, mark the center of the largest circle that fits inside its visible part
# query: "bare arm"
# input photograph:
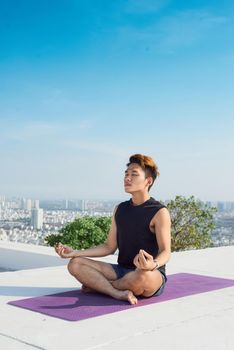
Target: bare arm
(162, 228)
(104, 249)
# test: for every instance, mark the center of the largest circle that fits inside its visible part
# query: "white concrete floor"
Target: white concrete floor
(202, 321)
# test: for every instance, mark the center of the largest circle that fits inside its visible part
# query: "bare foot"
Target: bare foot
(86, 289)
(128, 296)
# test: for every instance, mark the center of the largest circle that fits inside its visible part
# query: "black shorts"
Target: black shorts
(121, 271)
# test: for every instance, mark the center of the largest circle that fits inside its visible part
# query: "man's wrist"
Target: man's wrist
(157, 265)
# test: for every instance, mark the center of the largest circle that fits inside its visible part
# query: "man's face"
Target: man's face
(134, 179)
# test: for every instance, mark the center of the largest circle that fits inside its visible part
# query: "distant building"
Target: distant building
(65, 204)
(228, 206)
(37, 218)
(28, 204)
(84, 205)
(2, 199)
(221, 206)
(36, 204)
(23, 201)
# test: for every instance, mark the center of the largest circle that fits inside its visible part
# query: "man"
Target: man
(141, 230)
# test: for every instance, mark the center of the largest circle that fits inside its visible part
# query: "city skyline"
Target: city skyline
(82, 204)
(22, 220)
(85, 85)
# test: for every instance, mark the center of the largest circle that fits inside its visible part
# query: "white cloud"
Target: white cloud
(62, 139)
(187, 27)
(38, 130)
(98, 146)
(58, 97)
(183, 28)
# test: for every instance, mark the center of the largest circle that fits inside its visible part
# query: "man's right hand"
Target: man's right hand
(65, 251)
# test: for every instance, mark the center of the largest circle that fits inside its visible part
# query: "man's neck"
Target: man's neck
(139, 198)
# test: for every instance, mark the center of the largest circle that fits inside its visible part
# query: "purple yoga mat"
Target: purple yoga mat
(75, 305)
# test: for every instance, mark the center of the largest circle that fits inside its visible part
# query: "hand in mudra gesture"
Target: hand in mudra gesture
(64, 251)
(144, 261)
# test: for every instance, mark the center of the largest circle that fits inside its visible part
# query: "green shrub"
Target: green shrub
(192, 223)
(82, 233)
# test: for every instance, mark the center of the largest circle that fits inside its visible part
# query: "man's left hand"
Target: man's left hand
(144, 261)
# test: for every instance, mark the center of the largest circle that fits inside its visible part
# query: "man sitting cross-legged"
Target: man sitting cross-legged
(140, 230)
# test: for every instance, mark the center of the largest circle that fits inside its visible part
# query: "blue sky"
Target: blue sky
(85, 84)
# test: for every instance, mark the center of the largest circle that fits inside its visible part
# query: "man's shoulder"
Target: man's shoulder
(161, 215)
(122, 205)
(153, 203)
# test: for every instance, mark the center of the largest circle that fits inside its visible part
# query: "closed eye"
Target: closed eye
(132, 174)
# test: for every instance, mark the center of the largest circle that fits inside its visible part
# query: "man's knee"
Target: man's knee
(74, 265)
(143, 276)
(138, 279)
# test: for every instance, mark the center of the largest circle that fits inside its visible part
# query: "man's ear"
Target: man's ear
(150, 181)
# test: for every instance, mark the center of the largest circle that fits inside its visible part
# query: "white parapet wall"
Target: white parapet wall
(19, 256)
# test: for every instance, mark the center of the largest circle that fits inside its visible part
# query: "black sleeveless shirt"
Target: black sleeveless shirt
(133, 232)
